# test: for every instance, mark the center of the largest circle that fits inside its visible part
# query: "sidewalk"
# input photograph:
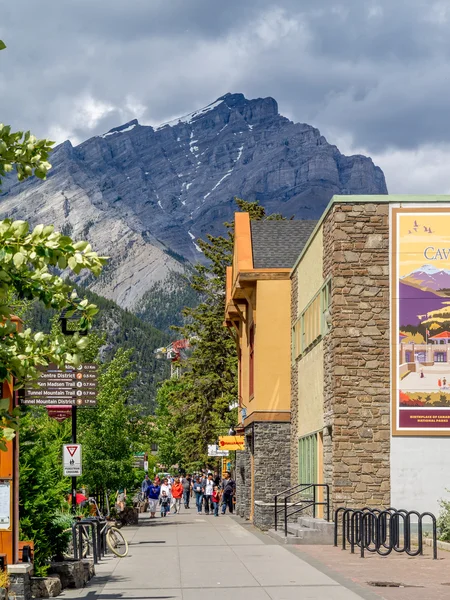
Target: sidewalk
(201, 557)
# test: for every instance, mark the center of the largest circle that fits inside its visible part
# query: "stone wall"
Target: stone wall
(294, 386)
(271, 468)
(271, 459)
(356, 358)
(243, 482)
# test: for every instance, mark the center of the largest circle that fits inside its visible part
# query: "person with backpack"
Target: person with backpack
(198, 491)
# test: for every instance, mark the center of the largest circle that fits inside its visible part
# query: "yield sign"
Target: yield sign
(72, 460)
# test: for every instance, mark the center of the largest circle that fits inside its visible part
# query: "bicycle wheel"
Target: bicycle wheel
(69, 551)
(116, 542)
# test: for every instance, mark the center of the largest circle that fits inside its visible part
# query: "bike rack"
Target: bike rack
(77, 535)
(381, 531)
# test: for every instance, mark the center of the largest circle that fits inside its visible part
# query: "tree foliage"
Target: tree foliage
(107, 433)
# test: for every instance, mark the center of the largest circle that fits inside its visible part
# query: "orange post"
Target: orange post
(9, 496)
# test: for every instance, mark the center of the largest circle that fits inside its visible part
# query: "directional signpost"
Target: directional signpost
(74, 386)
(213, 450)
(72, 460)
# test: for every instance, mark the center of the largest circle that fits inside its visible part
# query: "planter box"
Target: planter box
(45, 587)
(70, 572)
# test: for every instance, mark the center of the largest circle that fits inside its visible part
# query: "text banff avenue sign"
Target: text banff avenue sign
(75, 386)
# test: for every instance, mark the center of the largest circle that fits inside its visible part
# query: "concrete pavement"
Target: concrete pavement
(201, 557)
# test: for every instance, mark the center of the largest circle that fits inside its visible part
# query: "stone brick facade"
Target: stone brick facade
(268, 443)
(243, 479)
(356, 355)
(294, 386)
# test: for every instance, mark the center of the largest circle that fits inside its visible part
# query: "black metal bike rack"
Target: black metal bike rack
(77, 536)
(382, 531)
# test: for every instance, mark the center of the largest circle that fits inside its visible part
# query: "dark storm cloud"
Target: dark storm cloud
(376, 72)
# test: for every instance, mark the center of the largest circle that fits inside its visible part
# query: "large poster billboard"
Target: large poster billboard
(420, 268)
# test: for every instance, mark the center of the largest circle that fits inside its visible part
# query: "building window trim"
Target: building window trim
(313, 322)
(308, 458)
(251, 361)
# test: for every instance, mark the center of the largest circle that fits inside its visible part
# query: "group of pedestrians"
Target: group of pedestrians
(212, 494)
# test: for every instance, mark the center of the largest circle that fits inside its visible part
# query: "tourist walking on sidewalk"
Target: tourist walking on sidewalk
(164, 502)
(209, 489)
(167, 488)
(177, 495)
(216, 500)
(228, 487)
(153, 493)
(186, 482)
(198, 491)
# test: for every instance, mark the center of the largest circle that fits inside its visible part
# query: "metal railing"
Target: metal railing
(382, 531)
(308, 498)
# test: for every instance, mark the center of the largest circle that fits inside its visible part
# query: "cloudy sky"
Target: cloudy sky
(373, 76)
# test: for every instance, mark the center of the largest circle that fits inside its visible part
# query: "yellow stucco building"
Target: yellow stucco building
(258, 301)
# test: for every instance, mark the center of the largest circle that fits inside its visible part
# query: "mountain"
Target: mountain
(416, 303)
(429, 277)
(143, 194)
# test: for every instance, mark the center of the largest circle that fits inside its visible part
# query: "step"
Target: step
(309, 536)
(280, 537)
(320, 524)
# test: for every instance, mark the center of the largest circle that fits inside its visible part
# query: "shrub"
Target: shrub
(443, 521)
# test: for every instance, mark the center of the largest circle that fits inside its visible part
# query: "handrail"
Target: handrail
(302, 504)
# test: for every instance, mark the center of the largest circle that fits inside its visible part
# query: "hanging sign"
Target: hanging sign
(72, 460)
(213, 450)
(74, 386)
(231, 442)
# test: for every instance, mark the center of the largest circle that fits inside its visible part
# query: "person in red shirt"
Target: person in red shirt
(177, 495)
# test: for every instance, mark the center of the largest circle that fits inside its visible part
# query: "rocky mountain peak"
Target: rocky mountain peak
(145, 194)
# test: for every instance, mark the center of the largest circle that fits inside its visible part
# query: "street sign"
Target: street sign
(139, 460)
(232, 442)
(213, 450)
(74, 386)
(59, 413)
(72, 460)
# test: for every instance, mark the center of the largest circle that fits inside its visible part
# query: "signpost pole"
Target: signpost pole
(74, 441)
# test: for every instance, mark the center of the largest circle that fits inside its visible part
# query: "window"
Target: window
(307, 459)
(313, 323)
(251, 369)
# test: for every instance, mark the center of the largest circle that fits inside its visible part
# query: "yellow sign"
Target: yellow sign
(231, 442)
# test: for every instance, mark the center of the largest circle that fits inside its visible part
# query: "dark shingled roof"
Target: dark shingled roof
(277, 244)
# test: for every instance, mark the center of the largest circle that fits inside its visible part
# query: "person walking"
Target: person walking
(198, 491)
(167, 488)
(153, 494)
(164, 502)
(209, 489)
(216, 500)
(177, 495)
(228, 487)
(186, 482)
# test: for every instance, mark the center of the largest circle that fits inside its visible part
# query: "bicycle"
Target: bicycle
(114, 537)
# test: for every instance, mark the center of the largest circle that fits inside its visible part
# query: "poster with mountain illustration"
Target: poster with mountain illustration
(421, 321)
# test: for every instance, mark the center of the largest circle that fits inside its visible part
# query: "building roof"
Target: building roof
(277, 244)
(444, 335)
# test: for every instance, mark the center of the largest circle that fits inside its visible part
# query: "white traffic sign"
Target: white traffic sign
(72, 460)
